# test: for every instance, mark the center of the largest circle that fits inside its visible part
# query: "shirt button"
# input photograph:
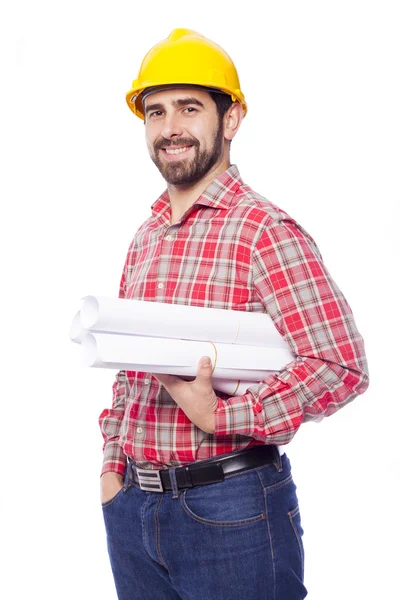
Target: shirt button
(146, 381)
(169, 238)
(139, 430)
(160, 286)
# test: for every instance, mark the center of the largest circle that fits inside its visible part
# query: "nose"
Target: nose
(172, 126)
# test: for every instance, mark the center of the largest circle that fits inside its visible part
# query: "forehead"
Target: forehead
(171, 95)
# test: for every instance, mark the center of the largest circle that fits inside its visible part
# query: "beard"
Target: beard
(188, 172)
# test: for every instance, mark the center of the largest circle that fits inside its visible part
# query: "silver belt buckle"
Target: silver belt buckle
(149, 480)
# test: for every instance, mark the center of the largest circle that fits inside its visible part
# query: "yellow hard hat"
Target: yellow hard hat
(186, 57)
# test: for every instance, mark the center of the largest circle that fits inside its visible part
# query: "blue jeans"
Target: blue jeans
(240, 539)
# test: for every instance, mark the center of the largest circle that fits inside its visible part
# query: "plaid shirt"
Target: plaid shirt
(235, 250)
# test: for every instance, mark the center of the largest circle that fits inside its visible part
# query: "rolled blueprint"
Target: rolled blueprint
(162, 320)
(181, 357)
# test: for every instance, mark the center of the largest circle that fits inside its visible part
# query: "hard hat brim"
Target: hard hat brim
(135, 98)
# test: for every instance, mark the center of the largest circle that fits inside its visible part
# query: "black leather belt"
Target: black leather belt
(203, 472)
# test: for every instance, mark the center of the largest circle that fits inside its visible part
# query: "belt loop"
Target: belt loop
(174, 484)
(126, 478)
(278, 460)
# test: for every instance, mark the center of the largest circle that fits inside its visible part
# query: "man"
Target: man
(197, 493)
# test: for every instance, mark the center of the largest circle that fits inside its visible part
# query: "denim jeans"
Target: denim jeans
(240, 539)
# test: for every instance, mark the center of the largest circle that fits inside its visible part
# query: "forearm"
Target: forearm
(309, 389)
(110, 422)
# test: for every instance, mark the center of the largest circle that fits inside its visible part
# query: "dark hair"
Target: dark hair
(223, 102)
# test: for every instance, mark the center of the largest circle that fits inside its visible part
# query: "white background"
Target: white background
(321, 140)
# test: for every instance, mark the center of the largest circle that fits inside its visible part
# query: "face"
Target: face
(183, 134)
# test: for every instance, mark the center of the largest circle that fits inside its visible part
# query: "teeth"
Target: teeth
(176, 150)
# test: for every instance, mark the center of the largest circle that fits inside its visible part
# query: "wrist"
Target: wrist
(111, 476)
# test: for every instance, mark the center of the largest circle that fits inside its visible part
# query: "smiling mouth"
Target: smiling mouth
(180, 150)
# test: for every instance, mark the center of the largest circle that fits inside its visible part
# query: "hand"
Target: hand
(196, 398)
(110, 484)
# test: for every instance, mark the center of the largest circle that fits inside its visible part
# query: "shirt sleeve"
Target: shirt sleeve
(311, 313)
(110, 420)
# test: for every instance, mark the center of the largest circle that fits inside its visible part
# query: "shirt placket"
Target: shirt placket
(164, 262)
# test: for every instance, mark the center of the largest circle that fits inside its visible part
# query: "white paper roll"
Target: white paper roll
(181, 357)
(157, 319)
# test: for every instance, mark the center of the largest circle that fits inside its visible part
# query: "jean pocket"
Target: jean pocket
(294, 518)
(112, 500)
(235, 502)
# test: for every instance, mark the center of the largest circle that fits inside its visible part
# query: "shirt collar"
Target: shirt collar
(218, 194)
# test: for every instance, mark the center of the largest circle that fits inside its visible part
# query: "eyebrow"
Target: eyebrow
(175, 103)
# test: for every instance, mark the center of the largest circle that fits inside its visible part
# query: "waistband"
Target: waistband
(204, 472)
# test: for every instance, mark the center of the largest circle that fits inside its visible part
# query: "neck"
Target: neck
(183, 196)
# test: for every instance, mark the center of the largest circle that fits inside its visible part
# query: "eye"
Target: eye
(190, 109)
(155, 113)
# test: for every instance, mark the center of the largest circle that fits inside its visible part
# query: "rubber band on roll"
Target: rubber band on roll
(236, 388)
(237, 333)
(215, 359)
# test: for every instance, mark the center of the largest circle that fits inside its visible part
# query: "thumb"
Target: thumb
(204, 370)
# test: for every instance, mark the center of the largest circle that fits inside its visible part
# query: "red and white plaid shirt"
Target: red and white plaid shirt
(235, 250)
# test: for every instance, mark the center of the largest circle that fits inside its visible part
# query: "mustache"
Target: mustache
(164, 143)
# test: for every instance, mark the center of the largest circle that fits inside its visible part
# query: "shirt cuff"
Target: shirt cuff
(234, 416)
(114, 459)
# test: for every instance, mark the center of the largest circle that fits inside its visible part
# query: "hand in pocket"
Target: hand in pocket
(110, 484)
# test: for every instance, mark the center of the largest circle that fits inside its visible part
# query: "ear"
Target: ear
(233, 118)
